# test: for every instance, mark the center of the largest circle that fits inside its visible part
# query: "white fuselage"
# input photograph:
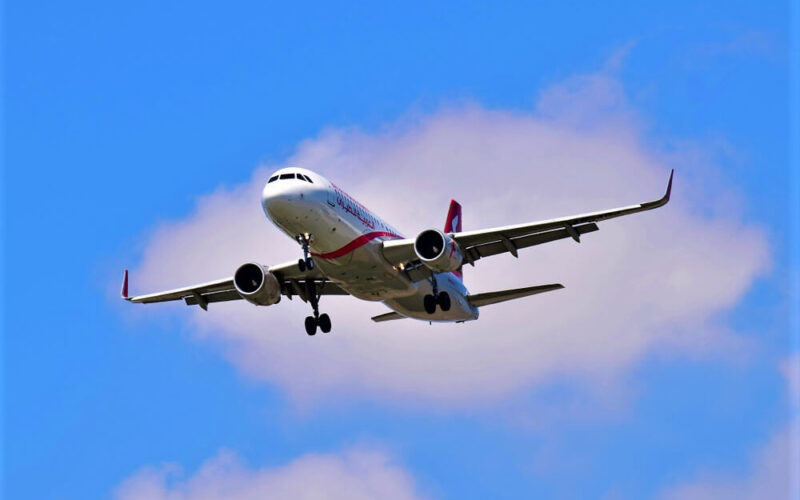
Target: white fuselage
(346, 246)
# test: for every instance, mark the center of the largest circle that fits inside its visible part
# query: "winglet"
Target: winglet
(649, 205)
(669, 186)
(124, 291)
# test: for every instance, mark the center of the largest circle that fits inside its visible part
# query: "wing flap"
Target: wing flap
(488, 298)
(499, 246)
(208, 298)
(179, 293)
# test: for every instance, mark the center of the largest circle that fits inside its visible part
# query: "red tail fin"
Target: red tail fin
(453, 222)
(124, 291)
(453, 225)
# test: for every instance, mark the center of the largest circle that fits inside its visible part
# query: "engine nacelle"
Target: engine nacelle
(438, 251)
(257, 285)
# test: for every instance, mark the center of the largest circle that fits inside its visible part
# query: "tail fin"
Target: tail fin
(453, 225)
(453, 222)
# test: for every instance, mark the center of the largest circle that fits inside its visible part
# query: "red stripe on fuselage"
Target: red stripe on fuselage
(356, 243)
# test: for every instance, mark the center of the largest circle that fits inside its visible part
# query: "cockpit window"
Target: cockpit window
(307, 178)
(272, 179)
(287, 176)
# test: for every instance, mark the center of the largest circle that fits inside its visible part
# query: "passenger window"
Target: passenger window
(287, 176)
(272, 179)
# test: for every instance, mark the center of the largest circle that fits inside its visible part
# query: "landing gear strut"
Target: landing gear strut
(430, 301)
(306, 262)
(323, 321)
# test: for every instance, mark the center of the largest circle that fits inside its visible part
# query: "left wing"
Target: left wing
(487, 242)
(292, 282)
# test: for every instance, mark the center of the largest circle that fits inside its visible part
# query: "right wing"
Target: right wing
(290, 277)
(487, 242)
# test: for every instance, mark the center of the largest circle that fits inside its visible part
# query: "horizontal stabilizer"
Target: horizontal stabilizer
(387, 317)
(484, 299)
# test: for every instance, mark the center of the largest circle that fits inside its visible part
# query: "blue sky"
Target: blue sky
(116, 118)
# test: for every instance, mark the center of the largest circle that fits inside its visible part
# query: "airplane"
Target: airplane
(348, 250)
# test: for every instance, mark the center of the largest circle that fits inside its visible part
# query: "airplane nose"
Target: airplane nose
(273, 201)
(280, 199)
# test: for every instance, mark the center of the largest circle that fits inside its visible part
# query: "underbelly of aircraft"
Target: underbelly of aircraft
(353, 260)
(369, 277)
(365, 274)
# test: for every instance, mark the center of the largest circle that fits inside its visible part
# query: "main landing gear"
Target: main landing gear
(442, 299)
(306, 262)
(323, 321)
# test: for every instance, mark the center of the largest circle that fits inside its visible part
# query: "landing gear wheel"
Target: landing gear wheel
(429, 302)
(311, 325)
(306, 262)
(444, 301)
(324, 322)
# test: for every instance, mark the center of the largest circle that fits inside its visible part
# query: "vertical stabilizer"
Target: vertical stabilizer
(453, 225)
(453, 222)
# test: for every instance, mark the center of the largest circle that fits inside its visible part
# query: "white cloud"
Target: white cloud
(651, 281)
(774, 470)
(352, 475)
(769, 477)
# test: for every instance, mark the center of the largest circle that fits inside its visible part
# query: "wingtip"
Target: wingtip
(669, 185)
(124, 290)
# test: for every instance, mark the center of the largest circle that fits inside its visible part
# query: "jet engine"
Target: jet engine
(438, 251)
(257, 285)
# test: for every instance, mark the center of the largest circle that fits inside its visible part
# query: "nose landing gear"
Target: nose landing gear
(306, 262)
(430, 301)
